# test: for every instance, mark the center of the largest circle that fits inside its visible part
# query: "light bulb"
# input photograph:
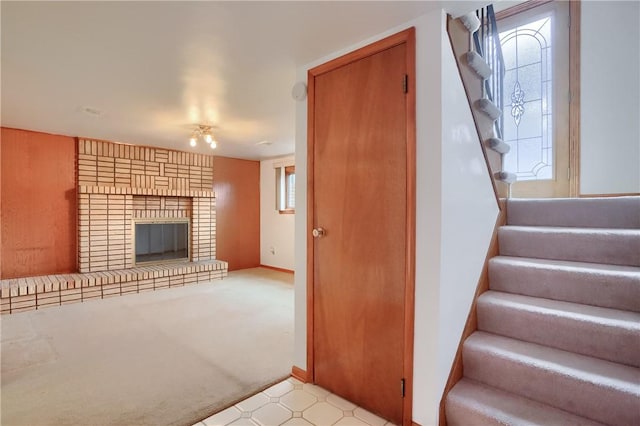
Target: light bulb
(208, 138)
(193, 141)
(214, 144)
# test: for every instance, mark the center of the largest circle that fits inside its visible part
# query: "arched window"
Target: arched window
(528, 99)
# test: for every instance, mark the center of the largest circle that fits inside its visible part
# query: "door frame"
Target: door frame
(574, 83)
(407, 37)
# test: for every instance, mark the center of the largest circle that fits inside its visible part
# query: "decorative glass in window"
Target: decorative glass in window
(527, 100)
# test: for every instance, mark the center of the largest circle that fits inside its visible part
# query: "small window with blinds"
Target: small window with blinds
(286, 189)
(290, 185)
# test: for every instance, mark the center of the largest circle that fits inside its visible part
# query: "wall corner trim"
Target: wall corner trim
(299, 373)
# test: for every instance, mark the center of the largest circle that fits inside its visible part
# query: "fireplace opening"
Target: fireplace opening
(160, 241)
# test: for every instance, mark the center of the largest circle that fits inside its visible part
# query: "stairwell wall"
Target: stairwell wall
(456, 212)
(610, 97)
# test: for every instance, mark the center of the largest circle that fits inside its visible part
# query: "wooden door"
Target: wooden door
(362, 160)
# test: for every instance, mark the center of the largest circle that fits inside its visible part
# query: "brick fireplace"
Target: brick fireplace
(119, 184)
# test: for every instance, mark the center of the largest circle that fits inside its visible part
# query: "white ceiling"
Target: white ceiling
(152, 69)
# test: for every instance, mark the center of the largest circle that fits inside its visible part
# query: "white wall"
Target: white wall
(468, 213)
(276, 230)
(455, 212)
(610, 97)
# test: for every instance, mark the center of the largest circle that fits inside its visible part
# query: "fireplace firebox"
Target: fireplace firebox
(158, 241)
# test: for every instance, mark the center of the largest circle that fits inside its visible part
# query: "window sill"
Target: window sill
(287, 211)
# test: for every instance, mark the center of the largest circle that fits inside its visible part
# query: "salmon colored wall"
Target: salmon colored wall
(237, 187)
(38, 203)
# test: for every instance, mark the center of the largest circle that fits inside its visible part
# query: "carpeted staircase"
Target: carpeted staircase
(558, 340)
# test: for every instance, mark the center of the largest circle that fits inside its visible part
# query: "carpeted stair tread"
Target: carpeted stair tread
(558, 340)
(583, 329)
(473, 403)
(599, 390)
(618, 212)
(608, 286)
(595, 245)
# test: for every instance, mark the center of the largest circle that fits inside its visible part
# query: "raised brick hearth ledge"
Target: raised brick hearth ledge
(116, 190)
(25, 294)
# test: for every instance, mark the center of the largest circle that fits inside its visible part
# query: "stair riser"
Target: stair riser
(608, 290)
(460, 414)
(479, 66)
(472, 403)
(622, 248)
(604, 341)
(595, 401)
(488, 108)
(619, 212)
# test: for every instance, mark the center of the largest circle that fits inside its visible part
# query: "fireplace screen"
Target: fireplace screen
(162, 241)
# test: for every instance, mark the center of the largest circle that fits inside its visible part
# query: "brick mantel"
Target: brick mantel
(119, 183)
(83, 189)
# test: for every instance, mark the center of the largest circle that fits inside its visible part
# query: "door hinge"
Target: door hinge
(568, 173)
(402, 387)
(405, 84)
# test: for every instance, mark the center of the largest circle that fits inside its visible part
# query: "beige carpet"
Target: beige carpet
(169, 357)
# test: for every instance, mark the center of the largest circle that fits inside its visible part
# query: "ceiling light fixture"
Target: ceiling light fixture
(202, 131)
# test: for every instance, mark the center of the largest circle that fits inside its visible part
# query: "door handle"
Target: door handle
(318, 232)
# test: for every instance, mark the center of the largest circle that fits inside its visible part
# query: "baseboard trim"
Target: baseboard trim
(415, 424)
(288, 271)
(623, 194)
(299, 373)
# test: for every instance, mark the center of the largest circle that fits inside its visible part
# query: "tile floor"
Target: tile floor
(293, 403)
